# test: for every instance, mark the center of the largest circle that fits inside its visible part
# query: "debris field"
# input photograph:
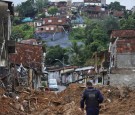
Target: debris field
(117, 101)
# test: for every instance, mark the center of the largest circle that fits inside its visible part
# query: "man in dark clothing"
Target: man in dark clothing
(92, 98)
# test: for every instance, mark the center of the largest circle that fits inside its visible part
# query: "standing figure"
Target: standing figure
(92, 97)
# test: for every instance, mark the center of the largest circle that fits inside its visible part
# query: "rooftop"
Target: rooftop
(123, 33)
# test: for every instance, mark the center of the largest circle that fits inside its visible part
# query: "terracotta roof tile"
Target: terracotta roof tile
(92, 8)
(55, 21)
(123, 33)
(27, 55)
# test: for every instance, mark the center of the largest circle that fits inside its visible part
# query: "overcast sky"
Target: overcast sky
(128, 3)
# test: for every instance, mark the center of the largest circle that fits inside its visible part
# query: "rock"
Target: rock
(17, 106)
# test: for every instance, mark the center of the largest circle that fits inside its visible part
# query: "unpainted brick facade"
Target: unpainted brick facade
(122, 49)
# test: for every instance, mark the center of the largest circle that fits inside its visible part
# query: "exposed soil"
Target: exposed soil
(118, 101)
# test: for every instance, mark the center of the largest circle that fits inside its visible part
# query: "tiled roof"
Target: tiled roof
(92, 8)
(55, 21)
(123, 33)
(28, 55)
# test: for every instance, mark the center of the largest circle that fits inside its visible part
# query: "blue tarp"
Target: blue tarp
(28, 19)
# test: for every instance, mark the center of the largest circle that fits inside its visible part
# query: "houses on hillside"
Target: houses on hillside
(52, 27)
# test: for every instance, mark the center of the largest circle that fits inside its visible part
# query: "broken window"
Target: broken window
(41, 29)
(11, 49)
(99, 79)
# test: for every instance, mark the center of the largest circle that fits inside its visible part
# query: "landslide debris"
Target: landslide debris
(118, 100)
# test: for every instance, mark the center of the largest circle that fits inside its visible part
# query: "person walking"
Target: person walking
(92, 97)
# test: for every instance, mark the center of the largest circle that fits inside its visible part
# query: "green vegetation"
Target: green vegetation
(56, 52)
(128, 23)
(30, 8)
(22, 31)
(115, 6)
(53, 10)
(94, 37)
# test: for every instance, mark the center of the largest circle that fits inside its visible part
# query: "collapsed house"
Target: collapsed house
(30, 57)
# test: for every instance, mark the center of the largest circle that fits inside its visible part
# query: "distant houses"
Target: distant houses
(52, 27)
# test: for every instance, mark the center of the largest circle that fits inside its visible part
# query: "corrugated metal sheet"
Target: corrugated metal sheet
(28, 55)
(84, 68)
(67, 71)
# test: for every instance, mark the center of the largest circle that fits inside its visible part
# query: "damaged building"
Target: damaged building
(29, 57)
(6, 11)
(122, 55)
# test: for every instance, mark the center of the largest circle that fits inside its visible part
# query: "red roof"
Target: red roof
(92, 8)
(55, 21)
(123, 33)
(28, 55)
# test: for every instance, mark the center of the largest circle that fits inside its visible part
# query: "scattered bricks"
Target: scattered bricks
(117, 100)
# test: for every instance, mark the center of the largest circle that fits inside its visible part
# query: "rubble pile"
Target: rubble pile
(118, 100)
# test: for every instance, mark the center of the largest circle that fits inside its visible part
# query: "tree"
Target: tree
(95, 39)
(40, 4)
(128, 23)
(22, 31)
(75, 53)
(111, 23)
(53, 10)
(99, 35)
(27, 9)
(17, 34)
(115, 6)
(55, 52)
(77, 34)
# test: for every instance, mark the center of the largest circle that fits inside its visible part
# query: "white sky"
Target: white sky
(128, 3)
